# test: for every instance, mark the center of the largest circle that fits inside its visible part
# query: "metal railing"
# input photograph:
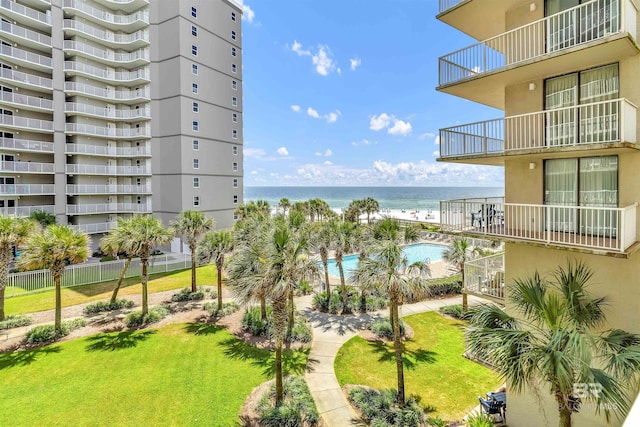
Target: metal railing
(141, 132)
(26, 210)
(107, 170)
(88, 209)
(107, 54)
(107, 151)
(31, 101)
(26, 56)
(108, 189)
(33, 125)
(26, 145)
(25, 33)
(26, 189)
(25, 11)
(101, 227)
(111, 113)
(26, 167)
(118, 76)
(109, 36)
(95, 272)
(485, 276)
(20, 77)
(603, 228)
(142, 17)
(444, 5)
(572, 27)
(123, 95)
(595, 123)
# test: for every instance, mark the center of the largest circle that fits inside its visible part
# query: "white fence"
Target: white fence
(84, 274)
(485, 276)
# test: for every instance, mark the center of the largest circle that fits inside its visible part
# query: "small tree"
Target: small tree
(120, 240)
(343, 245)
(215, 246)
(459, 252)
(192, 225)
(43, 218)
(370, 205)
(322, 241)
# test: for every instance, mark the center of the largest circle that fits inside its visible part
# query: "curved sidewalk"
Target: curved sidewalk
(330, 332)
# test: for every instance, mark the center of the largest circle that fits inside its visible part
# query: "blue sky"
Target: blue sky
(342, 92)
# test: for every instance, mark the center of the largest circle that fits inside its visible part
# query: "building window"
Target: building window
(234, 117)
(235, 215)
(195, 125)
(233, 35)
(194, 31)
(194, 69)
(196, 182)
(234, 101)
(194, 50)
(234, 133)
(234, 85)
(194, 12)
(196, 200)
(196, 107)
(196, 145)
(235, 150)
(235, 199)
(233, 51)
(196, 164)
(235, 182)
(234, 68)
(233, 16)
(235, 166)
(194, 87)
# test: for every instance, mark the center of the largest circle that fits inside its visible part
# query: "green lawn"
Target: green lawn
(181, 374)
(434, 367)
(42, 301)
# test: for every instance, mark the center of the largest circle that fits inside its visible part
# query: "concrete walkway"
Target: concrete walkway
(330, 332)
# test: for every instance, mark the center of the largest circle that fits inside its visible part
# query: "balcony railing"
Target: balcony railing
(26, 167)
(27, 210)
(573, 27)
(485, 277)
(26, 145)
(25, 11)
(27, 189)
(101, 227)
(34, 125)
(109, 113)
(98, 150)
(108, 36)
(27, 101)
(25, 34)
(122, 95)
(117, 76)
(600, 228)
(30, 79)
(107, 170)
(108, 189)
(86, 209)
(128, 133)
(596, 123)
(107, 54)
(25, 56)
(141, 17)
(444, 5)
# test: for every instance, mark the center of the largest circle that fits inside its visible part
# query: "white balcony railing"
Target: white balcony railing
(485, 276)
(105, 35)
(109, 113)
(142, 17)
(601, 228)
(34, 125)
(27, 210)
(26, 100)
(26, 56)
(579, 25)
(444, 5)
(26, 167)
(117, 76)
(20, 77)
(26, 189)
(596, 123)
(108, 189)
(25, 33)
(25, 11)
(107, 170)
(26, 145)
(119, 95)
(98, 150)
(86, 209)
(101, 227)
(107, 54)
(80, 128)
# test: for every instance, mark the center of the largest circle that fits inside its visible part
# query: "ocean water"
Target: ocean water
(410, 198)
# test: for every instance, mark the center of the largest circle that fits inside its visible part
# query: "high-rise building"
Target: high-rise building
(109, 104)
(565, 73)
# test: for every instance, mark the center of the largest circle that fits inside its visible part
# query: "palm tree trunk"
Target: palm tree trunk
(220, 288)
(291, 311)
(114, 295)
(325, 263)
(144, 279)
(2, 288)
(465, 303)
(363, 301)
(263, 307)
(397, 344)
(6, 254)
(58, 316)
(193, 269)
(279, 320)
(563, 409)
(343, 288)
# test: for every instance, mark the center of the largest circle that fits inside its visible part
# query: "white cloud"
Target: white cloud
(247, 13)
(362, 142)
(328, 152)
(436, 153)
(254, 152)
(437, 140)
(313, 113)
(295, 108)
(355, 63)
(333, 116)
(400, 128)
(427, 135)
(297, 48)
(254, 172)
(393, 125)
(328, 163)
(283, 151)
(379, 122)
(322, 59)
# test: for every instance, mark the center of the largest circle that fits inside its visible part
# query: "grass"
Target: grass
(435, 369)
(182, 374)
(160, 282)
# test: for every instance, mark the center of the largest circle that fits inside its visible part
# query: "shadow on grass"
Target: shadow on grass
(107, 286)
(25, 357)
(117, 340)
(410, 358)
(293, 361)
(202, 328)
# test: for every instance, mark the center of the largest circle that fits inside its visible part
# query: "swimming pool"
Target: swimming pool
(418, 252)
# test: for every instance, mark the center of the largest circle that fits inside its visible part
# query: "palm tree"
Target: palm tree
(285, 204)
(147, 233)
(343, 245)
(361, 242)
(120, 240)
(13, 232)
(388, 268)
(322, 242)
(370, 205)
(353, 211)
(459, 252)
(55, 248)
(192, 225)
(216, 245)
(557, 336)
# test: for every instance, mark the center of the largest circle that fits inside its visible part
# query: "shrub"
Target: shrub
(107, 258)
(480, 420)
(15, 321)
(382, 328)
(304, 288)
(297, 409)
(136, 319)
(379, 408)
(335, 303)
(227, 308)
(436, 422)
(186, 295)
(300, 332)
(47, 333)
(320, 302)
(376, 303)
(101, 306)
(252, 321)
(452, 310)
(451, 285)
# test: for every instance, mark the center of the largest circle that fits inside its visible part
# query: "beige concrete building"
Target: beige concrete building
(100, 115)
(565, 72)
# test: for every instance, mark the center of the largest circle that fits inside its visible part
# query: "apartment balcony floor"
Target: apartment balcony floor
(110, 39)
(126, 23)
(25, 15)
(464, 15)
(124, 5)
(26, 80)
(25, 37)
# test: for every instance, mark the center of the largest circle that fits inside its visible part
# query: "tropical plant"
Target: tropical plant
(361, 240)
(388, 269)
(285, 204)
(120, 240)
(459, 252)
(557, 337)
(354, 210)
(55, 248)
(192, 225)
(258, 207)
(43, 218)
(370, 206)
(343, 233)
(215, 246)
(13, 232)
(322, 241)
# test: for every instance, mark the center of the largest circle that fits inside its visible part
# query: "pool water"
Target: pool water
(418, 252)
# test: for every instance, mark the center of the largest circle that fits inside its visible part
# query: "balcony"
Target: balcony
(27, 210)
(599, 229)
(137, 58)
(26, 80)
(484, 277)
(557, 44)
(25, 58)
(31, 17)
(100, 208)
(133, 96)
(136, 77)
(101, 227)
(108, 133)
(75, 169)
(127, 23)
(27, 190)
(133, 115)
(99, 150)
(25, 145)
(131, 41)
(595, 126)
(73, 190)
(26, 102)
(23, 123)
(26, 167)
(26, 37)
(124, 5)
